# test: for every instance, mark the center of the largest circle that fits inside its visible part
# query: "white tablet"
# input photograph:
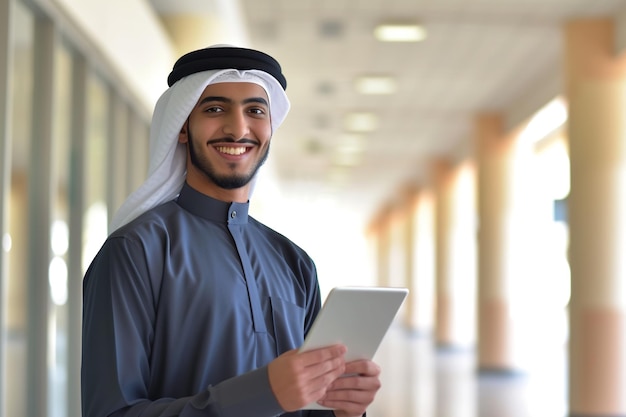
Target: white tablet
(357, 317)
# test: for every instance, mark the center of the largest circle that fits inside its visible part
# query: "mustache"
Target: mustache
(231, 140)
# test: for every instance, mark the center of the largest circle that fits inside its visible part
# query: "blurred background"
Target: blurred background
(473, 151)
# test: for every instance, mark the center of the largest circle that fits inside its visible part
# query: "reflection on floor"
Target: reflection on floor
(421, 381)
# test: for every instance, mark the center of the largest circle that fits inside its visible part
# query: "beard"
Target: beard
(227, 182)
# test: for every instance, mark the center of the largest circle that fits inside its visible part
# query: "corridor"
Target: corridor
(422, 381)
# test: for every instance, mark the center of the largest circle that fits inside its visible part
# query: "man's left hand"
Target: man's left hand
(351, 394)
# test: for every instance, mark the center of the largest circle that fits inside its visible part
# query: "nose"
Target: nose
(236, 125)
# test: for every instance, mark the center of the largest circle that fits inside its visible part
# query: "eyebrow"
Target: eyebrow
(222, 99)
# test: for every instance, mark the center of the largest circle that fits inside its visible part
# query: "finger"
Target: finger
(351, 393)
(352, 402)
(361, 397)
(320, 377)
(329, 370)
(358, 383)
(315, 356)
(363, 367)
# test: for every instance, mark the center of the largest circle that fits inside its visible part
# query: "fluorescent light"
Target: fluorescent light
(400, 33)
(351, 143)
(349, 150)
(361, 122)
(346, 160)
(375, 85)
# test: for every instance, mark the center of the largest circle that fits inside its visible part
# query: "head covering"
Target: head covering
(192, 73)
(225, 57)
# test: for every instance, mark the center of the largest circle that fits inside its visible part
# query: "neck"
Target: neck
(236, 195)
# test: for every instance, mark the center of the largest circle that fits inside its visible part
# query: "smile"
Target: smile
(232, 150)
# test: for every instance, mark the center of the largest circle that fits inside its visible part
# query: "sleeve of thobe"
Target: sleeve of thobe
(118, 316)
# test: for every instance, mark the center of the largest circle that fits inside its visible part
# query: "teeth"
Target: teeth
(231, 150)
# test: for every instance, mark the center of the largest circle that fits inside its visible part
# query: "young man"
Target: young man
(191, 307)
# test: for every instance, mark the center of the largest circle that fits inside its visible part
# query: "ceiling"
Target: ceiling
(480, 56)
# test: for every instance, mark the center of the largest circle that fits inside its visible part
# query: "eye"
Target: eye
(213, 109)
(257, 111)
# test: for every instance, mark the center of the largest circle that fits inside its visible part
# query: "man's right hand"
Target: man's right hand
(298, 379)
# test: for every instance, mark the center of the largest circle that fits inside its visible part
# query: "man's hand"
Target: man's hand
(351, 394)
(298, 379)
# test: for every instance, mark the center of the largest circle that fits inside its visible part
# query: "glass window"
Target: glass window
(120, 122)
(15, 241)
(100, 123)
(59, 232)
(96, 154)
(138, 151)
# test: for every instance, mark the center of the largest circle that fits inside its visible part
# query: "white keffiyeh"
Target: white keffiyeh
(167, 165)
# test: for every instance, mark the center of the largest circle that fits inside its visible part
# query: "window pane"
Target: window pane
(59, 233)
(95, 226)
(16, 240)
(138, 152)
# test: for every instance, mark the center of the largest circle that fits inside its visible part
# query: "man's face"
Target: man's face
(228, 134)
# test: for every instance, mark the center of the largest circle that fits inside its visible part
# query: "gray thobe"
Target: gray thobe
(184, 308)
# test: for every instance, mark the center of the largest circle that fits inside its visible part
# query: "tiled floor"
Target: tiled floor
(421, 381)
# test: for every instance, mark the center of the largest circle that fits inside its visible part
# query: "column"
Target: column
(596, 89)
(382, 247)
(420, 205)
(6, 23)
(76, 229)
(398, 273)
(455, 255)
(39, 220)
(505, 244)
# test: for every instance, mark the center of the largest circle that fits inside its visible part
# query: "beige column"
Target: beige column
(444, 321)
(455, 255)
(504, 246)
(398, 233)
(420, 217)
(379, 230)
(397, 255)
(596, 89)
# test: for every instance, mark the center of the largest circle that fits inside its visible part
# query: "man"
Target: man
(191, 307)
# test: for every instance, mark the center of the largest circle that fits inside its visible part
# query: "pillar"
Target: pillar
(455, 256)
(505, 244)
(6, 63)
(596, 90)
(420, 215)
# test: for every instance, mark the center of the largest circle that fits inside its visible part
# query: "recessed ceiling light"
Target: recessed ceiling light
(361, 122)
(313, 146)
(346, 160)
(349, 150)
(350, 143)
(373, 84)
(400, 33)
(331, 29)
(325, 88)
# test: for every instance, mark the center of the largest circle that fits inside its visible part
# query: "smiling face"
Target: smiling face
(228, 137)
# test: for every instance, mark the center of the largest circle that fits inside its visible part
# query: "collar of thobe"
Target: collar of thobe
(212, 209)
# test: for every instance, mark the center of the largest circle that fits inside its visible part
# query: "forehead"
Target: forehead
(235, 90)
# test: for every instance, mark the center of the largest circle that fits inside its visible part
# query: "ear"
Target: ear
(182, 136)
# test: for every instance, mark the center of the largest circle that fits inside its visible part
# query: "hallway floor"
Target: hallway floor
(421, 381)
